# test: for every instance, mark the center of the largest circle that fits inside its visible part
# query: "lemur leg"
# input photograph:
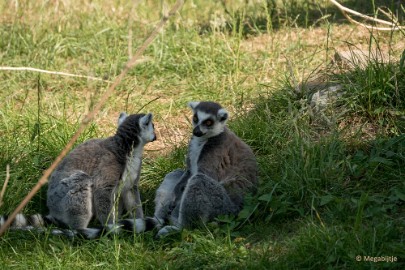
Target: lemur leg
(132, 202)
(104, 200)
(138, 203)
(203, 200)
(129, 186)
(70, 200)
(165, 199)
(167, 195)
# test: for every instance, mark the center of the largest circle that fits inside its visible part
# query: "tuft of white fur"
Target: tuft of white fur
(139, 225)
(132, 167)
(222, 113)
(122, 117)
(195, 147)
(147, 130)
(146, 119)
(193, 104)
(20, 221)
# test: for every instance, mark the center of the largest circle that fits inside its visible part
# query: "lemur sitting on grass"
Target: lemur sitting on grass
(93, 179)
(221, 170)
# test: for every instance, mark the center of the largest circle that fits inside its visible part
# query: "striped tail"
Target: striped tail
(39, 223)
(28, 223)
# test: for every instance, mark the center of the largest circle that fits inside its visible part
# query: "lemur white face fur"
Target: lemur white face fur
(209, 119)
(147, 132)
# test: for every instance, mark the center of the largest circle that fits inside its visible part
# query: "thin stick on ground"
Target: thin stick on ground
(3, 190)
(53, 72)
(91, 114)
(345, 10)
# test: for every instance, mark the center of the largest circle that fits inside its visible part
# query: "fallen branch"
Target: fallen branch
(345, 10)
(3, 190)
(53, 72)
(91, 115)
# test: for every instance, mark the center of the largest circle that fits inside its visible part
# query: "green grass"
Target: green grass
(332, 182)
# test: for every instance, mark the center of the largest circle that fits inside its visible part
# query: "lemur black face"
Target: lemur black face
(195, 119)
(209, 119)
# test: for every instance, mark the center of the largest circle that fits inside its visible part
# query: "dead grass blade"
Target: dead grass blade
(53, 72)
(3, 190)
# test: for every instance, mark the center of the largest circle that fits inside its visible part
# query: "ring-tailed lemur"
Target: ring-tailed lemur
(221, 169)
(93, 179)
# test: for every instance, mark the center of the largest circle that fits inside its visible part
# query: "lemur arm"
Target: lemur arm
(179, 189)
(132, 201)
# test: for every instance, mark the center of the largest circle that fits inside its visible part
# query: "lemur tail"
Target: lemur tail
(39, 223)
(28, 223)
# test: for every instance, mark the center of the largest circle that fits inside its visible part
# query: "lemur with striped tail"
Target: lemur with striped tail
(97, 180)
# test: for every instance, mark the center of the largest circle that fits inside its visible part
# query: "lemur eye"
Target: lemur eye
(195, 119)
(208, 122)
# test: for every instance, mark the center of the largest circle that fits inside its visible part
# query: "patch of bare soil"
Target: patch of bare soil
(337, 38)
(343, 42)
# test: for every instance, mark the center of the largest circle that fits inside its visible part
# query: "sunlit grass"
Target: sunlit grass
(331, 182)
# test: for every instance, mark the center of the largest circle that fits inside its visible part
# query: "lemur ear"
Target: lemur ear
(222, 115)
(121, 118)
(146, 119)
(193, 104)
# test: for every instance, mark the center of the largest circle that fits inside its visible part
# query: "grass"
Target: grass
(332, 181)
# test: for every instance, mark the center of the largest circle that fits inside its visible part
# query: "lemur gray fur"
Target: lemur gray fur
(97, 179)
(221, 170)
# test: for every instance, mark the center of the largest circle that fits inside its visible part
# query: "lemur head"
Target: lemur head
(141, 124)
(209, 118)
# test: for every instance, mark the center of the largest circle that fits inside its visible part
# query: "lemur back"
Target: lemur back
(221, 169)
(94, 178)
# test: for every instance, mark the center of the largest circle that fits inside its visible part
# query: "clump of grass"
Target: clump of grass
(376, 91)
(337, 246)
(329, 182)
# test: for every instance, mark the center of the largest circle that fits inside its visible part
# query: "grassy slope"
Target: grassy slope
(332, 183)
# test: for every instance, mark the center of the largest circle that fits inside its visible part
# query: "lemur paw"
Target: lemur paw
(167, 230)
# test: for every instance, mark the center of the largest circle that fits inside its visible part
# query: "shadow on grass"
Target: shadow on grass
(342, 195)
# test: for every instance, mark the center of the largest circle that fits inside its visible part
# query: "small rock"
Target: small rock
(322, 98)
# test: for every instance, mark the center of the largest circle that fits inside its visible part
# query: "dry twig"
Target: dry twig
(52, 72)
(3, 190)
(92, 113)
(345, 10)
